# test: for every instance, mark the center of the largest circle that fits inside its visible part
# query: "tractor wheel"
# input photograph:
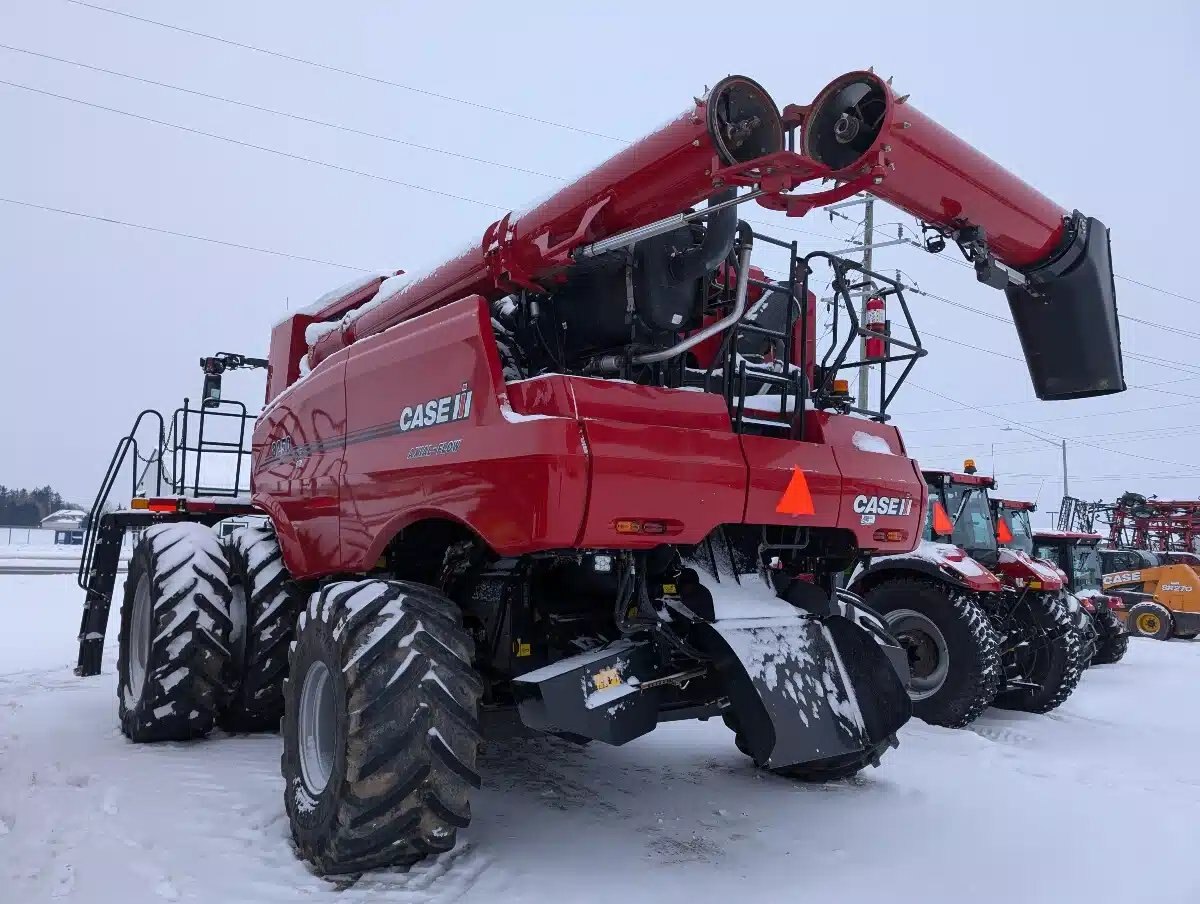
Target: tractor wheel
(1086, 626)
(264, 609)
(1114, 639)
(1150, 620)
(380, 726)
(952, 649)
(1048, 652)
(174, 639)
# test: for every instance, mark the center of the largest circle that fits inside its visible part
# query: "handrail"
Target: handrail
(106, 486)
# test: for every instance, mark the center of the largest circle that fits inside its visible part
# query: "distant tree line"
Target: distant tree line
(27, 508)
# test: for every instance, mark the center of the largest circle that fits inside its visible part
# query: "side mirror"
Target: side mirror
(211, 396)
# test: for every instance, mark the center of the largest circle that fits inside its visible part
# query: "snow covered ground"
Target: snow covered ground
(39, 558)
(1098, 802)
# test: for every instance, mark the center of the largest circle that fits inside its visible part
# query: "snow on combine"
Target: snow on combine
(983, 623)
(590, 475)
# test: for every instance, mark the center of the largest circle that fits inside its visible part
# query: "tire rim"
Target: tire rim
(1148, 623)
(316, 728)
(928, 652)
(139, 637)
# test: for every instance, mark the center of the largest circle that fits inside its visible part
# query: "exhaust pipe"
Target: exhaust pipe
(1055, 267)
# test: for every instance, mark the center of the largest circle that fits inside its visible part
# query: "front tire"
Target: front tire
(380, 727)
(1051, 654)
(1150, 620)
(1114, 639)
(175, 625)
(953, 650)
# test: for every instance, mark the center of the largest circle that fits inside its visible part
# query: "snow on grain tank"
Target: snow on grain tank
(589, 476)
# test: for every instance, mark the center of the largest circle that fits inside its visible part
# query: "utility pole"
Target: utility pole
(1066, 491)
(868, 238)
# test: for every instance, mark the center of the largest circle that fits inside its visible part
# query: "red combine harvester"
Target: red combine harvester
(982, 623)
(578, 477)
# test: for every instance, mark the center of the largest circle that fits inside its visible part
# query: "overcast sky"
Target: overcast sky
(1090, 102)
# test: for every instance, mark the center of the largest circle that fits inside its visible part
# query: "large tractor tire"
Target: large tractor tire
(174, 642)
(1086, 625)
(1114, 639)
(265, 606)
(380, 727)
(1150, 620)
(954, 653)
(1048, 652)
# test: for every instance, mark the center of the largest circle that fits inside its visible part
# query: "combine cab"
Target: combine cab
(589, 476)
(987, 624)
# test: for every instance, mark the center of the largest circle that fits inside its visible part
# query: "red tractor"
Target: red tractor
(577, 478)
(1077, 555)
(982, 624)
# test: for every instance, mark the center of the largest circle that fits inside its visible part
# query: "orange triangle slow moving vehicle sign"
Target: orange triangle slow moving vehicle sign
(796, 499)
(1003, 534)
(941, 521)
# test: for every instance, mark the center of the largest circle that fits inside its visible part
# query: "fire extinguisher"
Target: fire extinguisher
(876, 322)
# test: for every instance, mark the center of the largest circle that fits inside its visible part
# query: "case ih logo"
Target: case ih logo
(437, 411)
(882, 505)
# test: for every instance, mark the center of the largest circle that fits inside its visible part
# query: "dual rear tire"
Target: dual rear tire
(380, 724)
(205, 629)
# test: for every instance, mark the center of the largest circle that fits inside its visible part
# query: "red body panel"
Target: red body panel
(1017, 569)
(546, 463)
(298, 455)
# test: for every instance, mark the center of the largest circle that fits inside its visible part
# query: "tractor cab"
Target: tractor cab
(960, 513)
(1013, 529)
(1076, 554)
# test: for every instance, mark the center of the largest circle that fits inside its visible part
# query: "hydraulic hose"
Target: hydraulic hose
(718, 239)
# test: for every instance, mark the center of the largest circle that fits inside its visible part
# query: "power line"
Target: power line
(257, 147)
(1078, 442)
(1047, 420)
(294, 116)
(1147, 387)
(1173, 475)
(329, 125)
(424, 91)
(1148, 433)
(1151, 323)
(1138, 282)
(182, 235)
(349, 72)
